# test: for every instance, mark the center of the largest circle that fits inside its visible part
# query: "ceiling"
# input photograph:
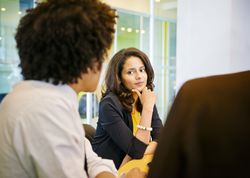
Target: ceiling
(162, 8)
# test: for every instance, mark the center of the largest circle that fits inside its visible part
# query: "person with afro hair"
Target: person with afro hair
(62, 45)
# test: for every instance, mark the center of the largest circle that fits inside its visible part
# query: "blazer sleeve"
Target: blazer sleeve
(156, 125)
(112, 120)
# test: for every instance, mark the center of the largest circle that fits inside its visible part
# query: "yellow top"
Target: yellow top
(136, 117)
(142, 164)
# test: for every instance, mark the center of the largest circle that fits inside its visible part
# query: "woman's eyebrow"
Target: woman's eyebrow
(135, 67)
(131, 69)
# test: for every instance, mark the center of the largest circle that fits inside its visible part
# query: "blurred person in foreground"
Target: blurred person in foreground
(61, 45)
(207, 133)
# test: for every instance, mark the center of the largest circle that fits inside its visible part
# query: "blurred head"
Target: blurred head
(128, 69)
(60, 40)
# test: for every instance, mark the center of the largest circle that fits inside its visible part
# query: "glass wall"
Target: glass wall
(10, 13)
(133, 30)
(164, 63)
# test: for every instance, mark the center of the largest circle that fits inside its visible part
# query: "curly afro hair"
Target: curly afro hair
(59, 39)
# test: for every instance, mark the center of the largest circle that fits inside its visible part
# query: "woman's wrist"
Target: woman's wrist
(148, 108)
(144, 128)
(151, 148)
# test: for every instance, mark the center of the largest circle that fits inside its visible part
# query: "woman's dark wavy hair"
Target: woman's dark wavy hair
(59, 39)
(113, 81)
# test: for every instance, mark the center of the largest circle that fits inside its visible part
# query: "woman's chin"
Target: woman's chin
(139, 89)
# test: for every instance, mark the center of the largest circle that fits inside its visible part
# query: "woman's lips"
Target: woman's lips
(139, 84)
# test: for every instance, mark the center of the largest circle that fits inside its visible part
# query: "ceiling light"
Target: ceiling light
(129, 29)
(122, 28)
(137, 31)
(3, 9)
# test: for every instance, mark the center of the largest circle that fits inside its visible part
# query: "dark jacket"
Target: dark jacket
(207, 131)
(114, 136)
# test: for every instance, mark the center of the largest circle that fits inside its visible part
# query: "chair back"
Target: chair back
(89, 132)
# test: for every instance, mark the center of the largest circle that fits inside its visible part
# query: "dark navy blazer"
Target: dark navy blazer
(114, 134)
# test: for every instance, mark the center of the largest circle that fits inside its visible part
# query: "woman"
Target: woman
(128, 124)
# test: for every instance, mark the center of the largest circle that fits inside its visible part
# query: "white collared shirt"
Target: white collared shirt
(41, 134)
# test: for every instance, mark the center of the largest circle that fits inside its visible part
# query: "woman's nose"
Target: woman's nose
(138, 75)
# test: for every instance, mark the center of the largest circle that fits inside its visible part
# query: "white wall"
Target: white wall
(212, 38)
(240, 35)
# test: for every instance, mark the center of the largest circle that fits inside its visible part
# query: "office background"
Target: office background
(184, 39)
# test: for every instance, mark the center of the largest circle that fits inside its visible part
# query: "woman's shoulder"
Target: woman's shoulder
(111, 101)
(110, 95)
(111, 98)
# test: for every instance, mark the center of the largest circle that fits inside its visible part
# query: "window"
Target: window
(133, 30)
(10, 13)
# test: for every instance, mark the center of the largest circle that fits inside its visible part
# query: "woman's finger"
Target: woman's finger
(137, 92)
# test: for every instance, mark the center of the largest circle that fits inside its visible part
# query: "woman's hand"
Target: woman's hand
(134, 173)
(147, 98)
(126, 159)
(151, 148)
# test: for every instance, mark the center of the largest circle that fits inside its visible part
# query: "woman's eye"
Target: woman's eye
(130, 72)
(142, 70)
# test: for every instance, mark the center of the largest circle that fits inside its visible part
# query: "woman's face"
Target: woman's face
(133, 74)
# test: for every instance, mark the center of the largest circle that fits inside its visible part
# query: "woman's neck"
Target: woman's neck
(135, 96)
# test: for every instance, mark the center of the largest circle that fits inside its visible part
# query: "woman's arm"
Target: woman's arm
(116, 125)
(126, 159)
(150, 150)
(147, 98)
